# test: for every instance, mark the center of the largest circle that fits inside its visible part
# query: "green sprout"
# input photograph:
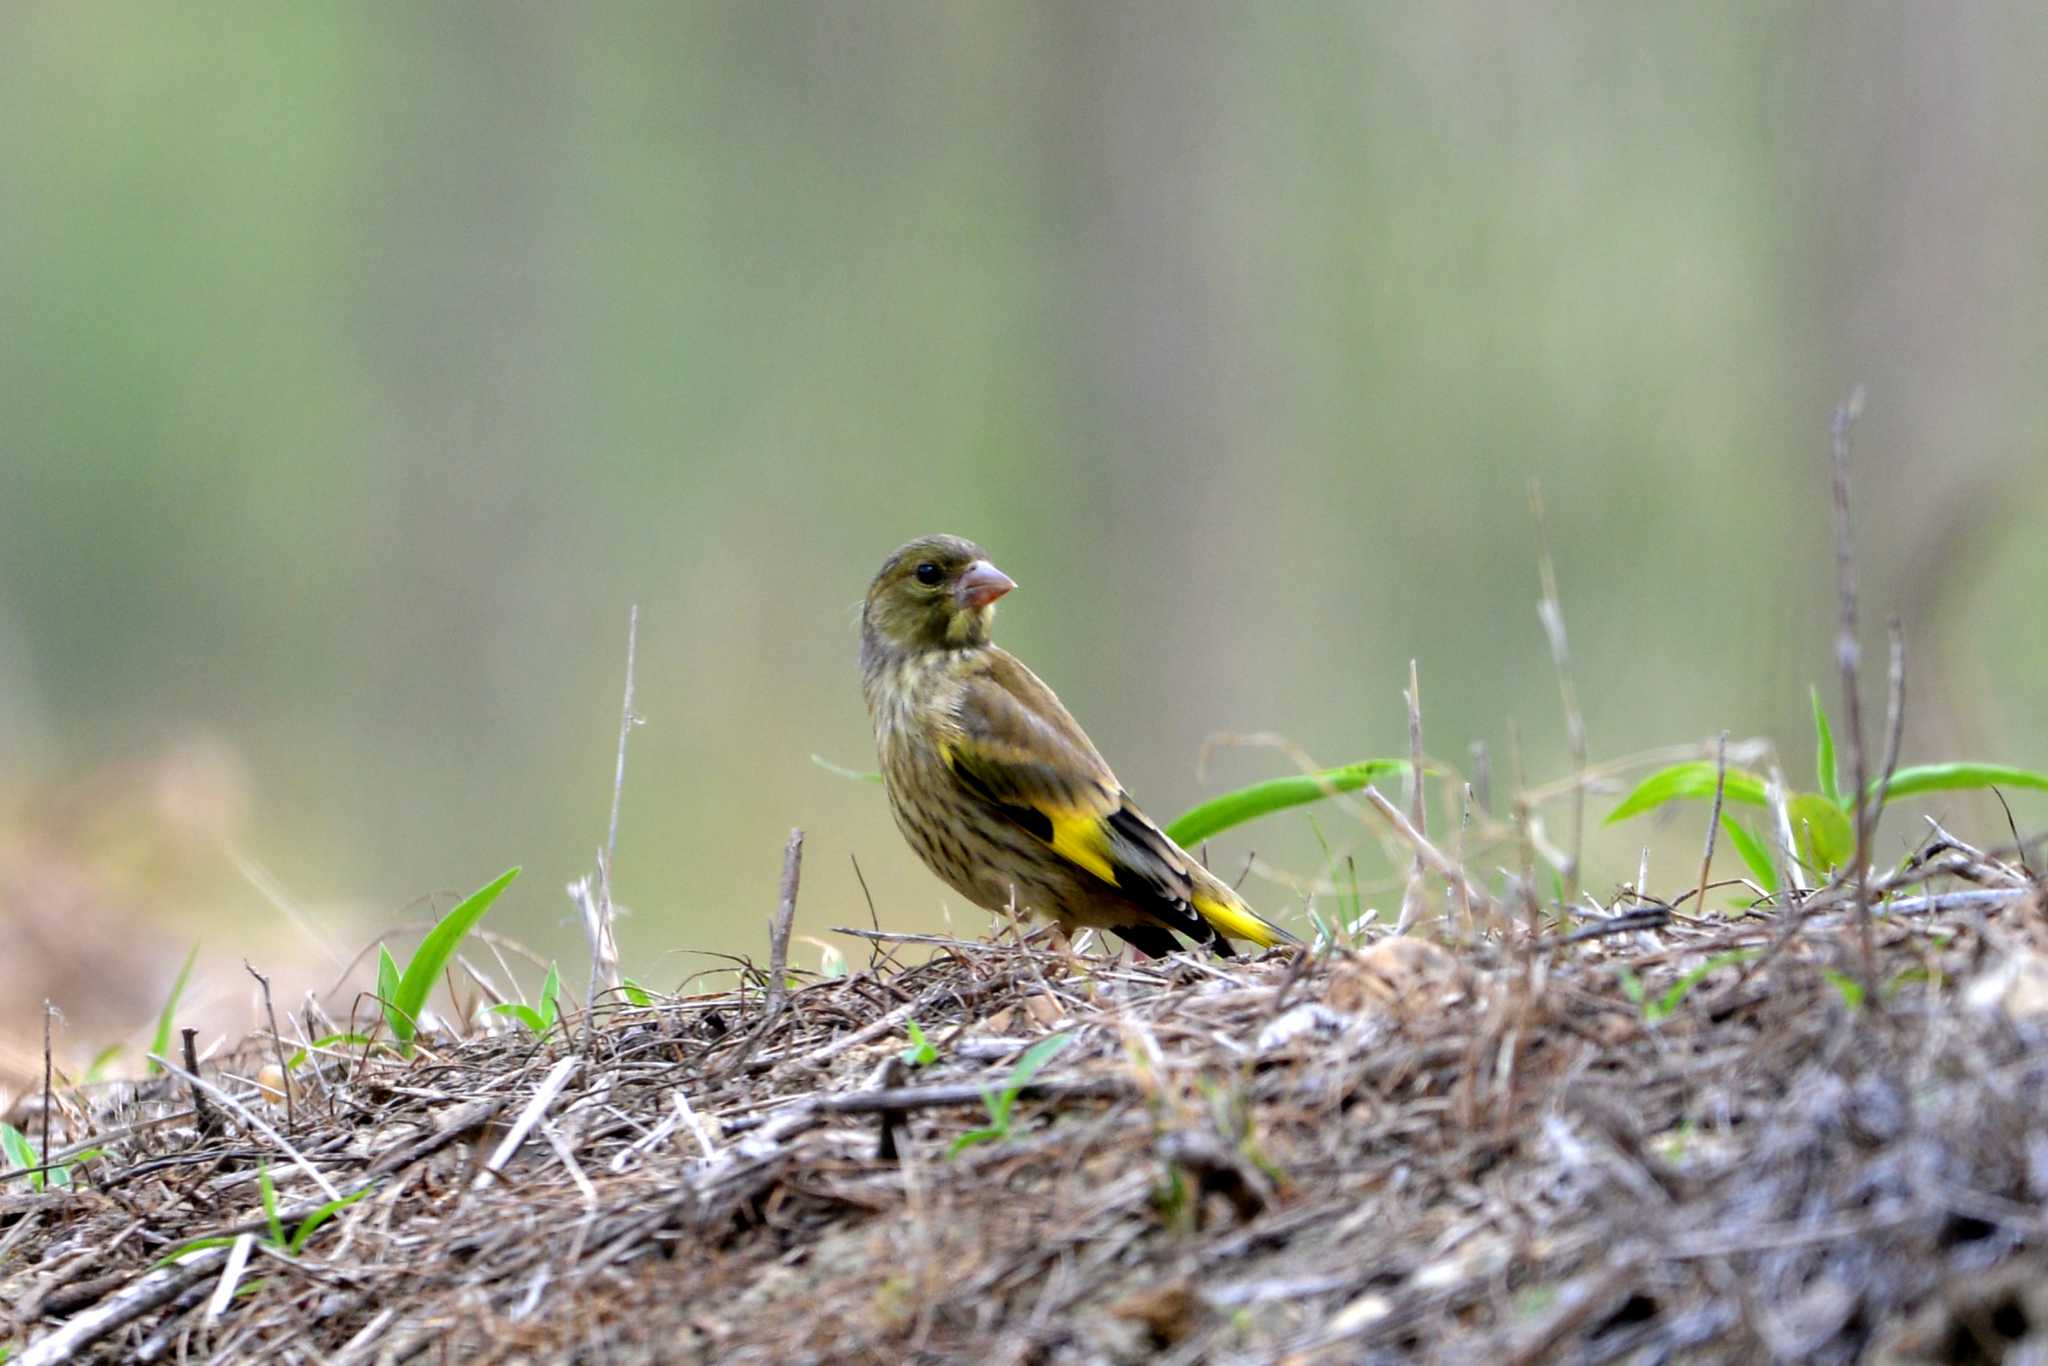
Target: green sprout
(404, 993)
(1218, 814)
(1001, 1104)
(161, 1046)
(21, 1156)
(542, 1020)
(920, 1053)
(1822, 821)
(291, 1242)
(1663, 1007)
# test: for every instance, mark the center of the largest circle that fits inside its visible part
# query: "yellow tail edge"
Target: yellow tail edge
(1240, 921)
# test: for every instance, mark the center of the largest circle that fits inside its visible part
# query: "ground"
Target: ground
(1639, 1136)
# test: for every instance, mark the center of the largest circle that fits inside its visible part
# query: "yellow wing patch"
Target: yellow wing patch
(1238, 922)
(1080, 839)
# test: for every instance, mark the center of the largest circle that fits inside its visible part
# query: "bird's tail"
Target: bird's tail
(1228, 915)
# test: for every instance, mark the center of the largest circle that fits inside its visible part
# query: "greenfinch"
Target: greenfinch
(998, 789)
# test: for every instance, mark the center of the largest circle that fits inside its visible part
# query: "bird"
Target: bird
(997, 788)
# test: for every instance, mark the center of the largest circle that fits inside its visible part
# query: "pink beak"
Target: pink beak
(982, 584)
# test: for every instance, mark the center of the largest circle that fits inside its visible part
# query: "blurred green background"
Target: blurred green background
(361, 364)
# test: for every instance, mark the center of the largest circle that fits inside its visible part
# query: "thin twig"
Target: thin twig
(48, 1011)
(1464, 833)
(1894, 717)
(205, 1118)
(1713, 825)
(904, 1099)
(627, 720)
(118, 1311)
(1976, 898)
(1628, 922)
(600, 917)
(202, 1088)
(284, 1082)
(543, 1096)
(1775, 792)
(785, 916)
(1424, 850)
(1551, 610)
(1413, 897)
(1848, 656)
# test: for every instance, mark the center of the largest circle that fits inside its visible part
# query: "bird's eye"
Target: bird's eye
(928, 574)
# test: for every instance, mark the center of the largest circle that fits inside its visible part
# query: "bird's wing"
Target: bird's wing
(1017, 748)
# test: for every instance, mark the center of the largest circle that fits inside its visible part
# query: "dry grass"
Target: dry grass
(1487, 1151)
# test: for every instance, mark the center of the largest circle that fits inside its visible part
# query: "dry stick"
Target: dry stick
(204, 1116)
(904, 1099)
(1848, 655)
(594, 903)
(1525, 842)
(1791, 884)
(284, 1076)
(201, 1088)
(785, 916)
(1894, 716)
(602, 930)
(1713, 826)
(599, 920)
(118, 1311)
(1413, 897)
(626, 721)
(2019, 845)
(1551, 610)
(543, 1096)
(1426, 852)
(48, 1011)
(1464, 833)
(1934, 904)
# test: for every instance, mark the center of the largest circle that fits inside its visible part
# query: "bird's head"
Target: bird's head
(937, 592)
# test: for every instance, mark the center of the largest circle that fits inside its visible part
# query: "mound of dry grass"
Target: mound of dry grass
(1652, 1135)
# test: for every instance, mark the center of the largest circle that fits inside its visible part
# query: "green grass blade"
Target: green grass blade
(184, 1250)
(1034, 1059)
(440, 944)
(62, 1176)
(1218, 814)
(1754, 856)
(101, 1060)
(1824, 756)
(1693, 779)
(387, 993)
(1674, 996)
(859, 775)
(161, 1045)
(919, 1052)
(525, 1014)
(268, 1189)
(972, 1137)
(550, 997)
(1631, 985)
(1823, 830)
(1908, 782)
(299, 1057)
(1851, 990)
(635, 993)
(320, 1216)
(21, 1154)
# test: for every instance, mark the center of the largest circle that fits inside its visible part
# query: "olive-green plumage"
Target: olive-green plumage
(995, 785)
